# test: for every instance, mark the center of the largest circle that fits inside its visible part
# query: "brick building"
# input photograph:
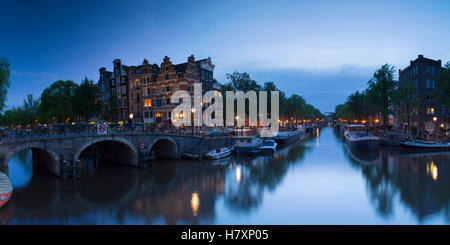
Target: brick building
(424, 74)
(145, 90)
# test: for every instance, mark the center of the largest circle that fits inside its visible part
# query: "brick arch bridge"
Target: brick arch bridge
(52, 152)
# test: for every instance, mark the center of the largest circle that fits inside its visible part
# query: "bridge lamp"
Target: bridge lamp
(434, 119)
(180, 116)
(131, 115)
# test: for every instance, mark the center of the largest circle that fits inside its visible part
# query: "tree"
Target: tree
(380, 92)
(406, 101)
(4, 81)
(242, 82)
(111, 108)
(357, 105)
(56, 101)
(442, 94)
(29, 110)
(22, 115)
(85, 100)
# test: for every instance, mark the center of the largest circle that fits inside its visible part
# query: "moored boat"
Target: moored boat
(268, 146)
(219, 153)
(358, 137)
(425, 145)
(248, 144)
(5, 189)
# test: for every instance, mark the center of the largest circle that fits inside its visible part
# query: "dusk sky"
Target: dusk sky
(322, 50)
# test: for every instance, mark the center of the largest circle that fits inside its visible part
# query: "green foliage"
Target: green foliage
(442, 94)
(4, 81)
(406, 101)
(111, 109)
(22, 115)
(57, 101)
(375, 101)
(380, 92)
(85, 100)
(295, 106)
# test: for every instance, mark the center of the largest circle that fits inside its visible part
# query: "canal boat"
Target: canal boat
(219, 153)
(5, 189)
(248, 144)
(268, 146)
(426, 144)
(357, 136)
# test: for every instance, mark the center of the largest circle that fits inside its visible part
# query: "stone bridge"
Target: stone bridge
(52, 152)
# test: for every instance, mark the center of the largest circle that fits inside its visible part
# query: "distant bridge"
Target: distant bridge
(54, 152)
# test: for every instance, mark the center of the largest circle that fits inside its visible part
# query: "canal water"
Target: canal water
(317, 181)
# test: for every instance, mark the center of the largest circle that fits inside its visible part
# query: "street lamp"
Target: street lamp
(192, 122)
(131, 120)
(435, 133)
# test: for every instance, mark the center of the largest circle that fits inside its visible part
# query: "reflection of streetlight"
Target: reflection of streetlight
(238, 174)
(195, 203)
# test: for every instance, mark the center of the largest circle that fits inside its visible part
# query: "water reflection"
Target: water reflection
(420, 181)
(395, 184)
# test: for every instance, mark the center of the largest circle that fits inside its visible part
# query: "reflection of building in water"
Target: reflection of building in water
(189, 197)
(422, 181)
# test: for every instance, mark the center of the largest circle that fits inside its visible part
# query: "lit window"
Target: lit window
(148, 103)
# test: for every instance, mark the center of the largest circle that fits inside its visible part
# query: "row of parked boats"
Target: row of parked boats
(358, 136)
(253, 145)
(249, 146)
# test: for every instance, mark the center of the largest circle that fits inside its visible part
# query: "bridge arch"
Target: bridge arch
(164, 147)
(114, 149)
(42, 158)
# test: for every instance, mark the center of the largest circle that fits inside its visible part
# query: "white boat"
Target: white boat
(358, 137)
(5, 189)
(425, 145)
(268, 146)
(219, 153)
(248, 144)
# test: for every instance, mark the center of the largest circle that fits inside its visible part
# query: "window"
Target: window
(137, 97)
(168, 89)
(147, 103)
(151, 114)
(124, 90)
(158, 103)
(169, 115)
(166, 69)
(167, 101)
(432, 84)
(180, 75)
(428, 83)
(432, 70)
(167, 77)
(175, 88)
(430, 111)
(158, 91)
(149, 91)
(416, 84)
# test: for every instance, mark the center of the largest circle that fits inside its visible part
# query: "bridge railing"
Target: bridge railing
(38, 133)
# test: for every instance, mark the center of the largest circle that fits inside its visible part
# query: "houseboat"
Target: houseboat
(357, 136)
(268, 146)
(248, 144)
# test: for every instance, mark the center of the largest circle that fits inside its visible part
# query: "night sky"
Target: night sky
(322, 50)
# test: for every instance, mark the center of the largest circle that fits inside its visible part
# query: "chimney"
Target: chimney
(191, 58)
